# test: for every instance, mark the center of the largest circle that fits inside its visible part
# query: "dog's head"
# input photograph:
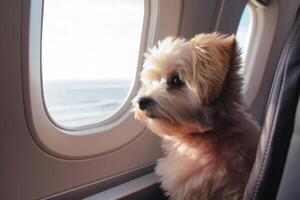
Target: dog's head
(182, 82)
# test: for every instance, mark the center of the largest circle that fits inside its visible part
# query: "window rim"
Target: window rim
(262, 27)
(54, 139)
(91, 142)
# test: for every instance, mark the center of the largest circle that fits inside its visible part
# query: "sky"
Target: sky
(244, 31)
(96, 40)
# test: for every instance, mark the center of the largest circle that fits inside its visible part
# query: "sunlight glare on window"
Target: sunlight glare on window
(90, 51)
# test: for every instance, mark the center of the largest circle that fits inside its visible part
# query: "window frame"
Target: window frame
(264, 24)
(103, 137)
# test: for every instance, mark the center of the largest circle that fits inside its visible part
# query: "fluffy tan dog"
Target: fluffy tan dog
(191, 97)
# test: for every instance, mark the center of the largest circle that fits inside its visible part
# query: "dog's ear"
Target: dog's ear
(211, 59)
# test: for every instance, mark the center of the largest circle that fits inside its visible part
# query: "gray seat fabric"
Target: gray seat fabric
(290, 182)
(279, 123)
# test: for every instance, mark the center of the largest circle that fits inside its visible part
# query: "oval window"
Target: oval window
(90, 51)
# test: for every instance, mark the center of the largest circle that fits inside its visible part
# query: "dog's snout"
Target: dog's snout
(144, 102)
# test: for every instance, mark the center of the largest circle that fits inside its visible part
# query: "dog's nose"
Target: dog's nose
(144, 102)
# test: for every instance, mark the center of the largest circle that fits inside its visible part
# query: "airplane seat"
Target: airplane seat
(276, 171)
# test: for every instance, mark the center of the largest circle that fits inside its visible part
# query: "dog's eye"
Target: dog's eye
(175, 82)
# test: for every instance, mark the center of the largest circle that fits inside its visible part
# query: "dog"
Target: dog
(191, 97)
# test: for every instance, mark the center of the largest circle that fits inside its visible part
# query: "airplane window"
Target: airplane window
(244, 32)
(90, 51)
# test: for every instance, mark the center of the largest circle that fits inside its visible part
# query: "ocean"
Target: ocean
(78, 103)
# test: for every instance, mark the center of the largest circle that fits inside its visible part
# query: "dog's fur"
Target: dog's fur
(209, 141)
